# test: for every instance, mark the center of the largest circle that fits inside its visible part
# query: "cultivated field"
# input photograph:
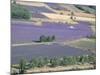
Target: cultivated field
(49, 37)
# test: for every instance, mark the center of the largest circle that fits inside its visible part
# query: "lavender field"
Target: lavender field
(49, 37)
(27, 32)
(52, 37)
(22, 32)
(49, 51)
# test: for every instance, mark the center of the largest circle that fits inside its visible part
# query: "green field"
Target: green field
(87, 44)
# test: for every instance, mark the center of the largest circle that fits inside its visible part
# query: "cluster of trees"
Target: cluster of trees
(56, 61)
(93, 7)
(19, 12)
(46, 38)
(87, 9)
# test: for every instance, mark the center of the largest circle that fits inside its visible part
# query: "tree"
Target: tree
(42, 38)
(84, 59)
(22, 66)
(53, 38)
(48, 39)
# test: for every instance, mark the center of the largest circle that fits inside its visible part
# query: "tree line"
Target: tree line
(56, 61)
(19, 12)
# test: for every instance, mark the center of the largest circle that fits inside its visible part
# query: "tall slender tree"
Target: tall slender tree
(72, 14)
